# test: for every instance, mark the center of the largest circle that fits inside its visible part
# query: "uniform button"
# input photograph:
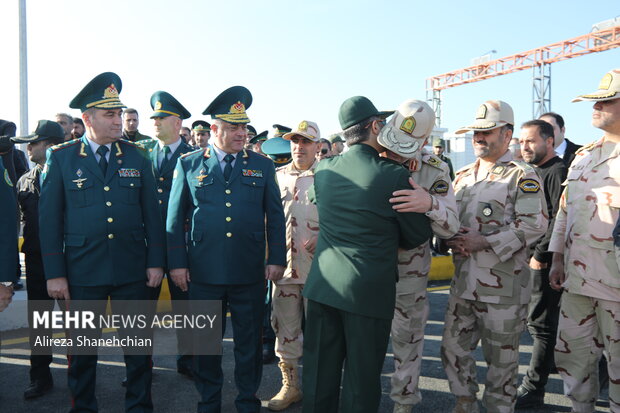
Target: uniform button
(229, 234)
(106, 188)
(228, 191)
(108, 203)
(228, 219)
(228, 204)
(253, 183)
(160, 201)
(161, 191)
(110, 219)
(110, 236)
(161, 178)
(130, 184)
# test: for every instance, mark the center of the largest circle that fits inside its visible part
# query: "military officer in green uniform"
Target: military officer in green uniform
(100, 229)
(168, 115)
(8, 238)
(257, 141)
(201, 133)
(235, 207)
(351, 287)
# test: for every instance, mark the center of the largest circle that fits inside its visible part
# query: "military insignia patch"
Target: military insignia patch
(79, 173)
(303, 126)
(498, 169)
(408, 125)
(110, 92)
(79, 182)
(481, 113)
(237, 108)
(201, 176)
(529, 185)
(7, 179)
(256, 173)
(158, 105)
(433, 161)
(606, 81)
(83, 151)
(440, 187)
(129, 173)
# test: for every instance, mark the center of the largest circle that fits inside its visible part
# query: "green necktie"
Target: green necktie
(164, 160)
(103, 163)
(228, 168)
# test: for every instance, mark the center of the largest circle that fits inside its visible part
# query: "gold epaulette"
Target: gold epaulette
(185, 155)
(65, 144)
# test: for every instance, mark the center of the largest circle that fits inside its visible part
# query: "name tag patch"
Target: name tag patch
(256, 173)
(129, 173)
(440, 187)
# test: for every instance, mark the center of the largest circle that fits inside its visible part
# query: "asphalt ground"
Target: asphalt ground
(175, 393)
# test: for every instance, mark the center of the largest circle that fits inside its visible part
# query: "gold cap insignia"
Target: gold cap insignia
(303, 126)
(237, 108)
(158, 105)
(482, 112)
(110, 92)
(606, 81)
(408, 125)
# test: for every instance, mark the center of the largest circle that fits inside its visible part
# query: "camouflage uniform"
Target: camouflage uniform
(491, 288)
(302, 223)
(590, 307)
(411, 310)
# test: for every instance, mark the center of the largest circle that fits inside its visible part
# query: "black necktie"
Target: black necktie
(164, 160)
(103, 163)
(228, 168)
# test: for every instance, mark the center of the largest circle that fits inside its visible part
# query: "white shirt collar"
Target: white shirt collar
(94, 146)
(221, 154)
(561, 149)
(173, 146)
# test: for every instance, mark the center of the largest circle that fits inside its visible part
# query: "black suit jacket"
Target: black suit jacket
(28, 191)
(569, 152)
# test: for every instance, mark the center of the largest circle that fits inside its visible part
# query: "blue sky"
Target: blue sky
(300, 59)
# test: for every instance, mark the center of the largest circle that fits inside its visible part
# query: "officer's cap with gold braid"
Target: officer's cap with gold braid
(280, 130)
(251, 131)
(307, 129)
(164, 105)
(608, 88)
(259, 138)
(490, 115)
(230, 105)
(201, 126)
(101, 93)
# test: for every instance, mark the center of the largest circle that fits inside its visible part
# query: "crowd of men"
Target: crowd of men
(321, 252)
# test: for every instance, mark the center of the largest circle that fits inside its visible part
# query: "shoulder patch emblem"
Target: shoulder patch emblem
(529, 185)
(440, 187)
(7, 179)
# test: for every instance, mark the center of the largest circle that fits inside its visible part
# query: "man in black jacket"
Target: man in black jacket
(564, 148)
(48, 133)
(537, 148)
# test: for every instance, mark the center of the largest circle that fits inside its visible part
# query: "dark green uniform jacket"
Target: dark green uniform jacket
(8, 224)
(355, 263)
(99, 230)
(228, 220)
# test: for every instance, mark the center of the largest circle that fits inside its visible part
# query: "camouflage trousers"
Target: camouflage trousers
(287, 313)
(498, 327)
(410, 316)
(587, 326)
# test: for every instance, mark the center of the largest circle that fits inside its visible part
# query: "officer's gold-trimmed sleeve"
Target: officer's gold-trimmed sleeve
(530, 219)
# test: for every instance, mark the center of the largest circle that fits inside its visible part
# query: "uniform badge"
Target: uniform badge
(7, 179)
(129, 173)
(606, 81)
(433, 161)
(303, 126)
(440, 187)
(83, 153)
(201, 176)
(158, 105)
(529, 185)
(79, 182)
(481, 113)
(237, 108)
(487, 211)
(110, 92)
(408, 125)
(78, 173)
(255, 173)
(498, 169)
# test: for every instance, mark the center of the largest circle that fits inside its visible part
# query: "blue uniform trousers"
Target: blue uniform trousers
(246, 303)
(83, 368)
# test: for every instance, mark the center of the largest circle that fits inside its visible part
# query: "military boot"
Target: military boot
(290, 392)
(466, 405)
